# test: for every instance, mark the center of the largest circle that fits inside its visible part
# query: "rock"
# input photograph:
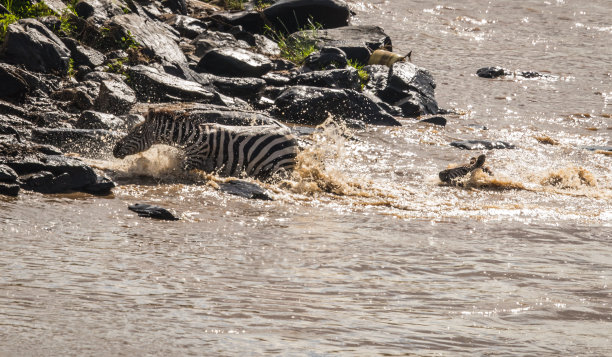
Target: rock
(276, 79)
(292, 15)
(99, 76)
(598, 148)
(481, 145)
(209, 40)
(151, 85)
(115, 97)
(15, 126)
(234, 62)
(207, 113)
(82, 141)
(441, 121)
(95, 120)
(250, 21)
(9, 189)
(314, 105)
(30, 43)
(245, 189)
(8, 108)
(410, 88)
(357, 42)
(98, 11)
(145, 210)
(156, 40)
(7, 174)
(266, 47)
(492, 72)
(336, 78)
(187, 26)
(326, 58)
(240, 87)
(102, 186)
(84, 55)
(13, 85)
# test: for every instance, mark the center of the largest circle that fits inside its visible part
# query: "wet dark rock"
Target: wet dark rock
(245, 189)
(251, 21)
(82, 141)
(598, 148)
(208, 113)
(99, 76)
(14, 126)
(98, 11)
(492, 72)
(314, 105)
(90, 119)
(239, 87)
(187, 26)
(102, 186)
(441, 121)
(410, 88)
(292, 15)
(326, 58)
(357, 42)
(481, 145)
(9, 189)
(154, 86)
(157, 40)
(266, 46)
(30, 43)
(273, 92)
(281, 64)
(115, 97)
(336, 78)
(7, 174)
(145, 210)
(84, 55)
(209, 40)
(12, 109)
(276, 78)
(179, 6)
(13, 85)
(378, 76)
(234, 62)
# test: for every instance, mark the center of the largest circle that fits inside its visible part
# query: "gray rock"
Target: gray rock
(98, 11)
(245, 87)
(441, 121)
(250, 21)
(94, 120)
(292, 15)
(145, 210)
(7, 174)
(209, 113)
(9, 189)
(187, 26)
(115, 97)
(209, 40)
(13, 85)
(482, 144)
(152, 85)
(234, 62)
(30, 43)
(492, 72)
(410, 88)
(314, 105)
(326, 58)
(83, 141)
(84, 55)
(276, 79)
(156, 39)
(266, 46)
(336, 78)
(357, 42)
(598, 148)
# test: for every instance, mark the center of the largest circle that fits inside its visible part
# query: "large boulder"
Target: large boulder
(326, 58)
(98, 11)
(187, 26)
(246, 87)
(84, 55)
(14, 86)
(234, 62)
(156, 38)
(209, 40)
(209, 113)
(90, 119)
(292, 15)
(83, 141)
(336, 78)
(31, 44)
(357, 42)
(115, 97)
(154, 86)
(405, 86)
(313, 106)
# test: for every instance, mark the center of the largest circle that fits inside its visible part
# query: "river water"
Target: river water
(363, 252)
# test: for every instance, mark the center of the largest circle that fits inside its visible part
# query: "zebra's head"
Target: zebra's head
(137, 140)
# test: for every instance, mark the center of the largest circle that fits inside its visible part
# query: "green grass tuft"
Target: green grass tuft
(296, 48)
(364, 77)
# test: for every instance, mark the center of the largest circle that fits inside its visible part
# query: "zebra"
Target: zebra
(258, 151)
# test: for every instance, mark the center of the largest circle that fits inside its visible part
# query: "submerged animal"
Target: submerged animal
(387, 58)
(453, 176)
(257, 151)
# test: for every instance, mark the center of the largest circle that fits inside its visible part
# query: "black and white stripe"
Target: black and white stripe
(257, 151)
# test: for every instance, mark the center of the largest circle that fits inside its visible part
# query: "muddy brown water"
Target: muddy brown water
(363, 252)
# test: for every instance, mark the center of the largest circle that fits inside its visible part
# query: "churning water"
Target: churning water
(363, 252)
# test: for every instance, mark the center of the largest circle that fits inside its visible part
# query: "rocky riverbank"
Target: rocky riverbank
(76, 79)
